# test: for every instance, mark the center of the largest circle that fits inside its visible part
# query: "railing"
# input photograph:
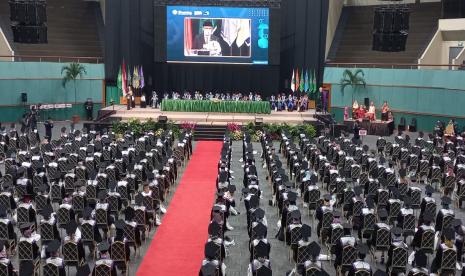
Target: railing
(21, 58)
(391, 65)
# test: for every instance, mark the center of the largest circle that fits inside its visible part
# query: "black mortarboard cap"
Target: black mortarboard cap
(322, 273)
(291, 196)
(428, 217)
(209, 269)
(42, 188)
(347, 226)
(445, 200)
(420, 258)
(47, 211)
(370, 202)
(382, 213)
(402, 172)
(396, 231)
(362, 248)
(449, 233)
(27, 269)
(83, 270)
(87, 212)
(139, 200)
(103, 246)
(53, 246)
(259, 213)
(214, 229)
(119, 224)
(2, 211)
(306, 231)
(457, 222)
(358, 190)
(407, 201)
(216, 208)
(314, 249)
(429, 189)
(112, 185)
(232, 188)
(296, 214)
(26, 226)
(129, 214)
(379, 272)
(327, 197)
(210, 250)
(102, 195)
(261, 250)
(260, 230)
(71, 227)
(336, 214)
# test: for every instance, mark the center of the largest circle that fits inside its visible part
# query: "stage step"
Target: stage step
(209, 132)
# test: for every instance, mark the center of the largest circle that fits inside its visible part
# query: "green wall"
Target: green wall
(427, 95)
(42, 83)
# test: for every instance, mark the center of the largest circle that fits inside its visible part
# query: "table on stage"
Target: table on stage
(261, 107)
(379, 128)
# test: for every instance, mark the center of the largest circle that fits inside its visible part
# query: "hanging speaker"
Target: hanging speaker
(24, 97)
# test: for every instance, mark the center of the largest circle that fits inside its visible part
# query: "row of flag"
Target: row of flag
(126, 78)
(303, 82)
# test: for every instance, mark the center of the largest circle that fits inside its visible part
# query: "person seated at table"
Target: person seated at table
(290, 103)
(385, 111)
(371, 114)
(361, 112)
(355, 108)
(450, 131)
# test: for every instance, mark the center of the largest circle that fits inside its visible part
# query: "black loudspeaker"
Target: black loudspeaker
(24, 97)
(29, 34)
(162, 119)
(390, 29)
(367, 102)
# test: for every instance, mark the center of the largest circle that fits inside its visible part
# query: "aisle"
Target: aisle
(178, 245)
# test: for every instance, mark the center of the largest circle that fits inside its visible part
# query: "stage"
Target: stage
(219, 119)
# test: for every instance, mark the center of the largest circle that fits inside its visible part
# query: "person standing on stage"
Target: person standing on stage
(372, 112)
(356, 133)
(129, 98)
(385, 111)
(48, 129)
(324, 99)
(89, 105)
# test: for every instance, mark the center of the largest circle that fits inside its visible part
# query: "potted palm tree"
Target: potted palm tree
(353, 79)
(72, 72)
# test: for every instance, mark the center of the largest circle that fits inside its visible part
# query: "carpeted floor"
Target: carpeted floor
(178, 245)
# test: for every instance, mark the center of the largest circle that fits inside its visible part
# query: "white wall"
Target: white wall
(334, 13)
(459, 59)
(432, 54)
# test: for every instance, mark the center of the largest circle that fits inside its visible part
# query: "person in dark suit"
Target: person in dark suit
(207, 40)
(48, 129)
(89, 105)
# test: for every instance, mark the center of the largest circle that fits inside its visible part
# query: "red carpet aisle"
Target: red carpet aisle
(178, 245)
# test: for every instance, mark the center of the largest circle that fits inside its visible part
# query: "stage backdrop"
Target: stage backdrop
(133, 29)
(427, 95)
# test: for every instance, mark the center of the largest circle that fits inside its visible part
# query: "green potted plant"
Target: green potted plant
(353, 79)
(71, 72)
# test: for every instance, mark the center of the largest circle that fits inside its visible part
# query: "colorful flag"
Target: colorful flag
(129, 77)
(119, 81)
(293, 81)
(141, 76)
(302, 81)
(314, 89)
(307, 82)
(297, 79)
(124, 81)
(135, 78)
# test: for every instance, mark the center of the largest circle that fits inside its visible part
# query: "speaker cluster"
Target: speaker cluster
(29, 21)
(390, 28)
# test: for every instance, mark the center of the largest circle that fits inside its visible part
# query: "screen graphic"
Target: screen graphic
(217, 34)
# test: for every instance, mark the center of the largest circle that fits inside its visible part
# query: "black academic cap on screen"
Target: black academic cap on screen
(103, 246)
(53, 246)
(314, 249)
(420, 258)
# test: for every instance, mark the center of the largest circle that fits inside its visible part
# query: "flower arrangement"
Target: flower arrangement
(235, 131)
(188, 125)
(233, 127)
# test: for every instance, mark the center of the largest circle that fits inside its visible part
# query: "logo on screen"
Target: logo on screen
(175, 12)
(263, 35)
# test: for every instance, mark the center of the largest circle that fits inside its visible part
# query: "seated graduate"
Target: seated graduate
(345, 240)
(129, 216)
(396, 242)
(419, 264)
(262, 253)
(9, 224)
(30, 236)
(52, 251)
(119, 225)
(104, 258)
(371, 114)
(49, 218)
(449, 237)
(73, 234)
(360, 264)
(4, 259)
(210, 265)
